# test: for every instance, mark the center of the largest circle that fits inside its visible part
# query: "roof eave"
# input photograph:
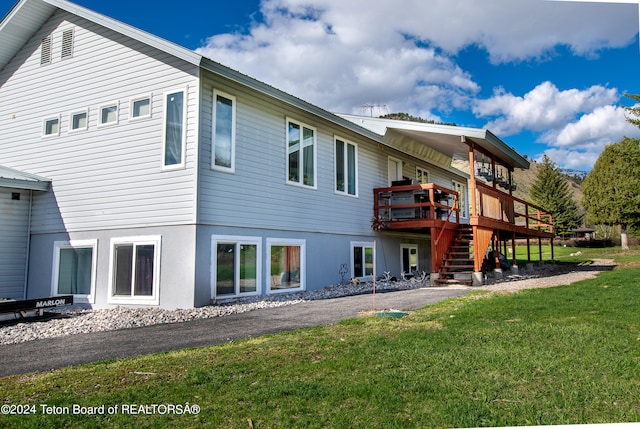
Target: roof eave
(28, 185)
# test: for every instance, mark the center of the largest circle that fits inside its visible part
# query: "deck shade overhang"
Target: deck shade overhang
(447, 141)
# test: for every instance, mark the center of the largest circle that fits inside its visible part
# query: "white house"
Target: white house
(159, 177)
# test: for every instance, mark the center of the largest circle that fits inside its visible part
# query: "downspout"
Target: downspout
(26, 263)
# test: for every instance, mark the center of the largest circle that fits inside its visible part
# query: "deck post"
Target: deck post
(514, 260)
(540, 250)
(472, 178)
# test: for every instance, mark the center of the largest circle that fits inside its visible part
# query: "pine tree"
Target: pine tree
(550, 190)
(635, 111)
(612, 188)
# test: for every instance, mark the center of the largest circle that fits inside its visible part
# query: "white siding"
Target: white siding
(109, 176)
(257, 196)
(14, 221)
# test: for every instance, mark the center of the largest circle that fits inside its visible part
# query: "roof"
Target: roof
(439, 141)
(447, 140)
(10, 178)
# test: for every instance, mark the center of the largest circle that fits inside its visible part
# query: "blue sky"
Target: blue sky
(545, 76)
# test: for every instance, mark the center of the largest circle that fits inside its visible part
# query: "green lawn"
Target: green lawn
(562, 355)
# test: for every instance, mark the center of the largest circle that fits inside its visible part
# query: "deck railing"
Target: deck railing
(415, 202)
(497, 205)
(410, 205)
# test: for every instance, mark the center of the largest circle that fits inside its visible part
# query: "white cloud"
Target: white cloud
(572, 159)
(578, 144)
(605, 125)
(544, 107)
(341, 54)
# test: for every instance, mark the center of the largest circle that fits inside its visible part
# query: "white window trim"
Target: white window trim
(104, 106)
(231, 169)
(72, 114)
(315, 154)
(182, 164)
(44, 126)
(464, 199)
(140, 98)
(346, 167)
(57, 246)
(399, 163)
(410, 246)
(237, 240)
(363, 244)
(424, 172)
(303, 257)
(154, 299)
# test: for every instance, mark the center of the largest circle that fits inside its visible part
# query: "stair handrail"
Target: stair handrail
(454, 207)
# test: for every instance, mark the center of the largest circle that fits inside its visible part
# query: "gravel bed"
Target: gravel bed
(75, 320)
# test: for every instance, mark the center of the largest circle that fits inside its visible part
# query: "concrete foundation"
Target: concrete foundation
(477, 278)
(433, 277)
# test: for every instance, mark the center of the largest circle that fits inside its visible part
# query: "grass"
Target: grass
(562, 355)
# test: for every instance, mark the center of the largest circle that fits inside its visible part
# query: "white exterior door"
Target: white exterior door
(395, 169)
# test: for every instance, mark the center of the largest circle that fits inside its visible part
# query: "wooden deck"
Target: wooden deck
(425, 206)
(496, 217)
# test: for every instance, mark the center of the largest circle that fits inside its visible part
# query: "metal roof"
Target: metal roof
(447, 140)
(10, 178)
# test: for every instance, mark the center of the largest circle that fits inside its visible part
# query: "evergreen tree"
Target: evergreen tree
(635, 111)
(550, 190)
(612, 188)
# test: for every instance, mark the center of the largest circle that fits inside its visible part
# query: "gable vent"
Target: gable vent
(67, 44)
(45, 50)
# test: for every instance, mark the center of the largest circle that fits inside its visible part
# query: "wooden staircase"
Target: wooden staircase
(457, 266)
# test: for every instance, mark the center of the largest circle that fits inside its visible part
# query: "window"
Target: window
(174, 129)
(74, 269)
(422, 175)
(301, 154)
(224, 132)
(108, 114)
(67, 44)
(51, 127)
(346, 155)
(287, 265)
(462, 190)
(409, 258)
(79, 121)
(45, 50)
(134, 270)
(236, 266)
(362, 257)
(140, 107)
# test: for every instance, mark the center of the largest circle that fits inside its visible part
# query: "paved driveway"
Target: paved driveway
(43, 355)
